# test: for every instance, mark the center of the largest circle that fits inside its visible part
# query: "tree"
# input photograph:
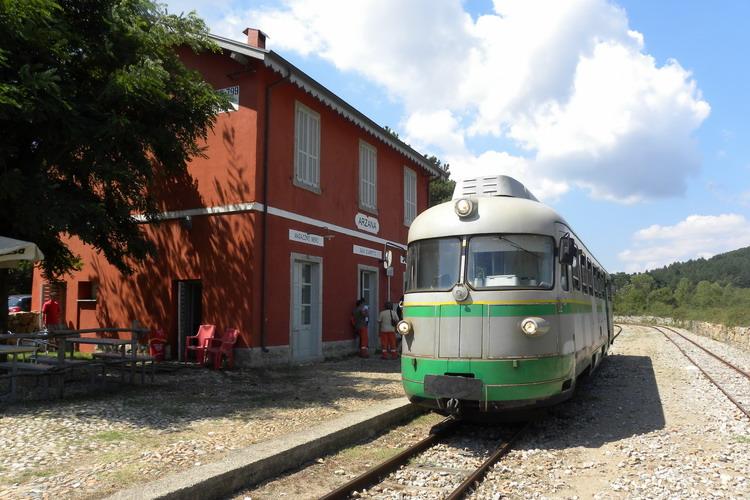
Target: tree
(95, 104)
(441, 190)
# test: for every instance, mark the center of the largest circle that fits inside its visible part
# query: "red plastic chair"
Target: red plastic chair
(224, 346)
(199, 343)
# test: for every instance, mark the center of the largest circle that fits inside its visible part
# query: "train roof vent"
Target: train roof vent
(495, 185)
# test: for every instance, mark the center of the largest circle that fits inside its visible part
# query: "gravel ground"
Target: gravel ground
(647, 424)
(99, 440)
(733, 383)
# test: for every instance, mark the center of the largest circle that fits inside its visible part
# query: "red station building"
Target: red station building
(277, 231)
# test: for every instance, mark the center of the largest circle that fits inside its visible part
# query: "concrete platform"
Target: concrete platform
(266, 460)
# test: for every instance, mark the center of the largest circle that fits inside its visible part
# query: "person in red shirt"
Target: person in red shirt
(51, 312)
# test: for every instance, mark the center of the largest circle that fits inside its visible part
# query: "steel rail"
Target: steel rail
(480, 472)
(379, 471)
(736, 403)
(616, 334)
(730, 365)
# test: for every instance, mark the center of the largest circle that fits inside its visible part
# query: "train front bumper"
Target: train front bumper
(487, 384)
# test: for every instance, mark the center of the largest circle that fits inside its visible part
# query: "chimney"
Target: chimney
(255, 38)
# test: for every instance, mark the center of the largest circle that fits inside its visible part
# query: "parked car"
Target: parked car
(19, 303)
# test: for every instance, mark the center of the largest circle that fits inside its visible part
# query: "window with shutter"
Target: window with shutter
(307, 148)
(368, 176)
(410, 195)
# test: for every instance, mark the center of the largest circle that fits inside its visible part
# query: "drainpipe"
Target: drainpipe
(264, 262)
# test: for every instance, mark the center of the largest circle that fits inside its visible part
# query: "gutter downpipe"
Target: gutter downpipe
(264, 263)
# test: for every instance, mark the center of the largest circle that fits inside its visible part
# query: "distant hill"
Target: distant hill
(731, 268)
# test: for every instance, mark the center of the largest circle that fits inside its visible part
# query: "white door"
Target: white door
(306, 333)
(368, 290)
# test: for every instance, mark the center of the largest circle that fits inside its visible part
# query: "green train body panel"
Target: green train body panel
(504, 380)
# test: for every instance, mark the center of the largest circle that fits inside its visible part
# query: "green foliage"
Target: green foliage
(716, 290)
(94, 106)
(441, 190)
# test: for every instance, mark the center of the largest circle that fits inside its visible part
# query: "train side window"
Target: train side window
(584, 275)
(591, 277)
(574, 267)
(565, 277)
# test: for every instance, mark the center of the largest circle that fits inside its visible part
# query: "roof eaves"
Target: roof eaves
(305, 82)
(299, 78)
(239, 47)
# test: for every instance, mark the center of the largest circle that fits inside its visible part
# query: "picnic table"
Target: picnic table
(119, 356)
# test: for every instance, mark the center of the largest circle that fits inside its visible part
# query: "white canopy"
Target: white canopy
(12, 252)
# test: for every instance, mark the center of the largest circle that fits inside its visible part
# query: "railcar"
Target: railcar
(504, 305)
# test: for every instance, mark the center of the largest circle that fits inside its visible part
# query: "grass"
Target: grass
(742, 439)
(112, 436)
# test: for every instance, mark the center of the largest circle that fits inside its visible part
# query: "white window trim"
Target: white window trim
(364, 206)
(314, 187)
(409, 173)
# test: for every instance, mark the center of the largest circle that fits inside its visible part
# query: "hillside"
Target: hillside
(715, 289)
(726, 268)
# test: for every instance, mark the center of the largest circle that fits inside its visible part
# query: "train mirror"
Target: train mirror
(567, 250)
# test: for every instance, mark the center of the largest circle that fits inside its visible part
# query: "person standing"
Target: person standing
(388, 319)
(51, 312)
(360, 319)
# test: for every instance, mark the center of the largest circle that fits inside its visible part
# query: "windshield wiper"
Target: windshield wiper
(516, 245)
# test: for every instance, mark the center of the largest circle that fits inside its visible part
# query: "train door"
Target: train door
(368, 290)
(306, 334)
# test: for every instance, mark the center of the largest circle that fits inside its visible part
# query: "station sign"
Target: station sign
(367, 223)
(310, 239)
(368, 252)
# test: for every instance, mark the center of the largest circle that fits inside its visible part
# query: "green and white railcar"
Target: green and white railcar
(504, 305)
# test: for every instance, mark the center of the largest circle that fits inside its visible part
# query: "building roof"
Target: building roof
(299, 78)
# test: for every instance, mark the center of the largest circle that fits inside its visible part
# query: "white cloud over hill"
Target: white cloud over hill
(568, 84)
(696, 236)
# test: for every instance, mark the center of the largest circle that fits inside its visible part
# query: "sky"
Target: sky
(629, 118)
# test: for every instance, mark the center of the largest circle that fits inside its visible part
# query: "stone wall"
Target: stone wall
(738, 336)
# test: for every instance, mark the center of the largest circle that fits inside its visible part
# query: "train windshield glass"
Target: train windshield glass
(510, 261)
(433, 264)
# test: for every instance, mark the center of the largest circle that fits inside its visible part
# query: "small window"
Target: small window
(410, 195)
(564, 277)
(575, 268)
(368, 176)
(307, 148)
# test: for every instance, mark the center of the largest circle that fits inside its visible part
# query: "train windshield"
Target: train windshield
(510, 261)
(433, 264)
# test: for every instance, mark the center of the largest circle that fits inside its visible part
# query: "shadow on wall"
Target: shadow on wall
(217, 250)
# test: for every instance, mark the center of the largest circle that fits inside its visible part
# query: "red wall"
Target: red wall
(224, 251)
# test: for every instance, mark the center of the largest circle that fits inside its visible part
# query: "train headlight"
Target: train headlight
(534, 326)
(464, 207)
(404, 327)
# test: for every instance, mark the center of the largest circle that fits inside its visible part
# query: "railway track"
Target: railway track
(452, 459)
(731, 380)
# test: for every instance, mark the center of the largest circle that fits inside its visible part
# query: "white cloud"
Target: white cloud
(696, 236)
(568, 83)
